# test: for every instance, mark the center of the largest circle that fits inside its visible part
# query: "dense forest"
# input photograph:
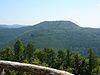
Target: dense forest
(54, 34)
(67, 60)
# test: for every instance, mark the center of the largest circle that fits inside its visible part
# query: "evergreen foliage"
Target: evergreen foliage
(60, 59)
(18, 49)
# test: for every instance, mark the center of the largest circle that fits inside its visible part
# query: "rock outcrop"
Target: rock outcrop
(39, 70)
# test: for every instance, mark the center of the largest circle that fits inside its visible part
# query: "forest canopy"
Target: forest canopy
(67, 60)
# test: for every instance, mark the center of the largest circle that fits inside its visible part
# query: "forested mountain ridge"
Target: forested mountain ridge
(4, 26)
(54, 34)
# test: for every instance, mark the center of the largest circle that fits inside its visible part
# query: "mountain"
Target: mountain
(54, 34)
(56, 24)
(10, 26)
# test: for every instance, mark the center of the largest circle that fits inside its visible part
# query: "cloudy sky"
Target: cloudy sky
(85, 13)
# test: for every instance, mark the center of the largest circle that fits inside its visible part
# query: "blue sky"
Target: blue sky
(85, 13)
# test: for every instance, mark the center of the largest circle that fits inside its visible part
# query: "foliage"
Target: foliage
(54, 34)
(92, 61)
(18, 49)
(28, 53)
(60, 59)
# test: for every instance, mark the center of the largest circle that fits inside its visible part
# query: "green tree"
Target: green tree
(92, 61)
(19, 49)
(39, 55)
(76, 65)
(49, 56)
(83, 67)
(45, 56)
(7, 54)
(68, 59)
(29, 52)
(60, 59)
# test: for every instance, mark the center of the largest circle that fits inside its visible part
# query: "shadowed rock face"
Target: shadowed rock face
(39, 70)
(1, 71)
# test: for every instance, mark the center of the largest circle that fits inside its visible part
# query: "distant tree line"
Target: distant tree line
(60, 59)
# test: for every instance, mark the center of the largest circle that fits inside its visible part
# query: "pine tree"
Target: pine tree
(19, 49)
(76, 65)
(7, 54)
(60, 60)
(83, 67)
(49, 56)
(39, 54)
(68, 59)
(92, 61)
(29, 52)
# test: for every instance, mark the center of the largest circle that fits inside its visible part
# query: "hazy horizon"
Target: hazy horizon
(85, 13)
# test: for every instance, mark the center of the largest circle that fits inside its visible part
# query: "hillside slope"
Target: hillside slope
(54, 34)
